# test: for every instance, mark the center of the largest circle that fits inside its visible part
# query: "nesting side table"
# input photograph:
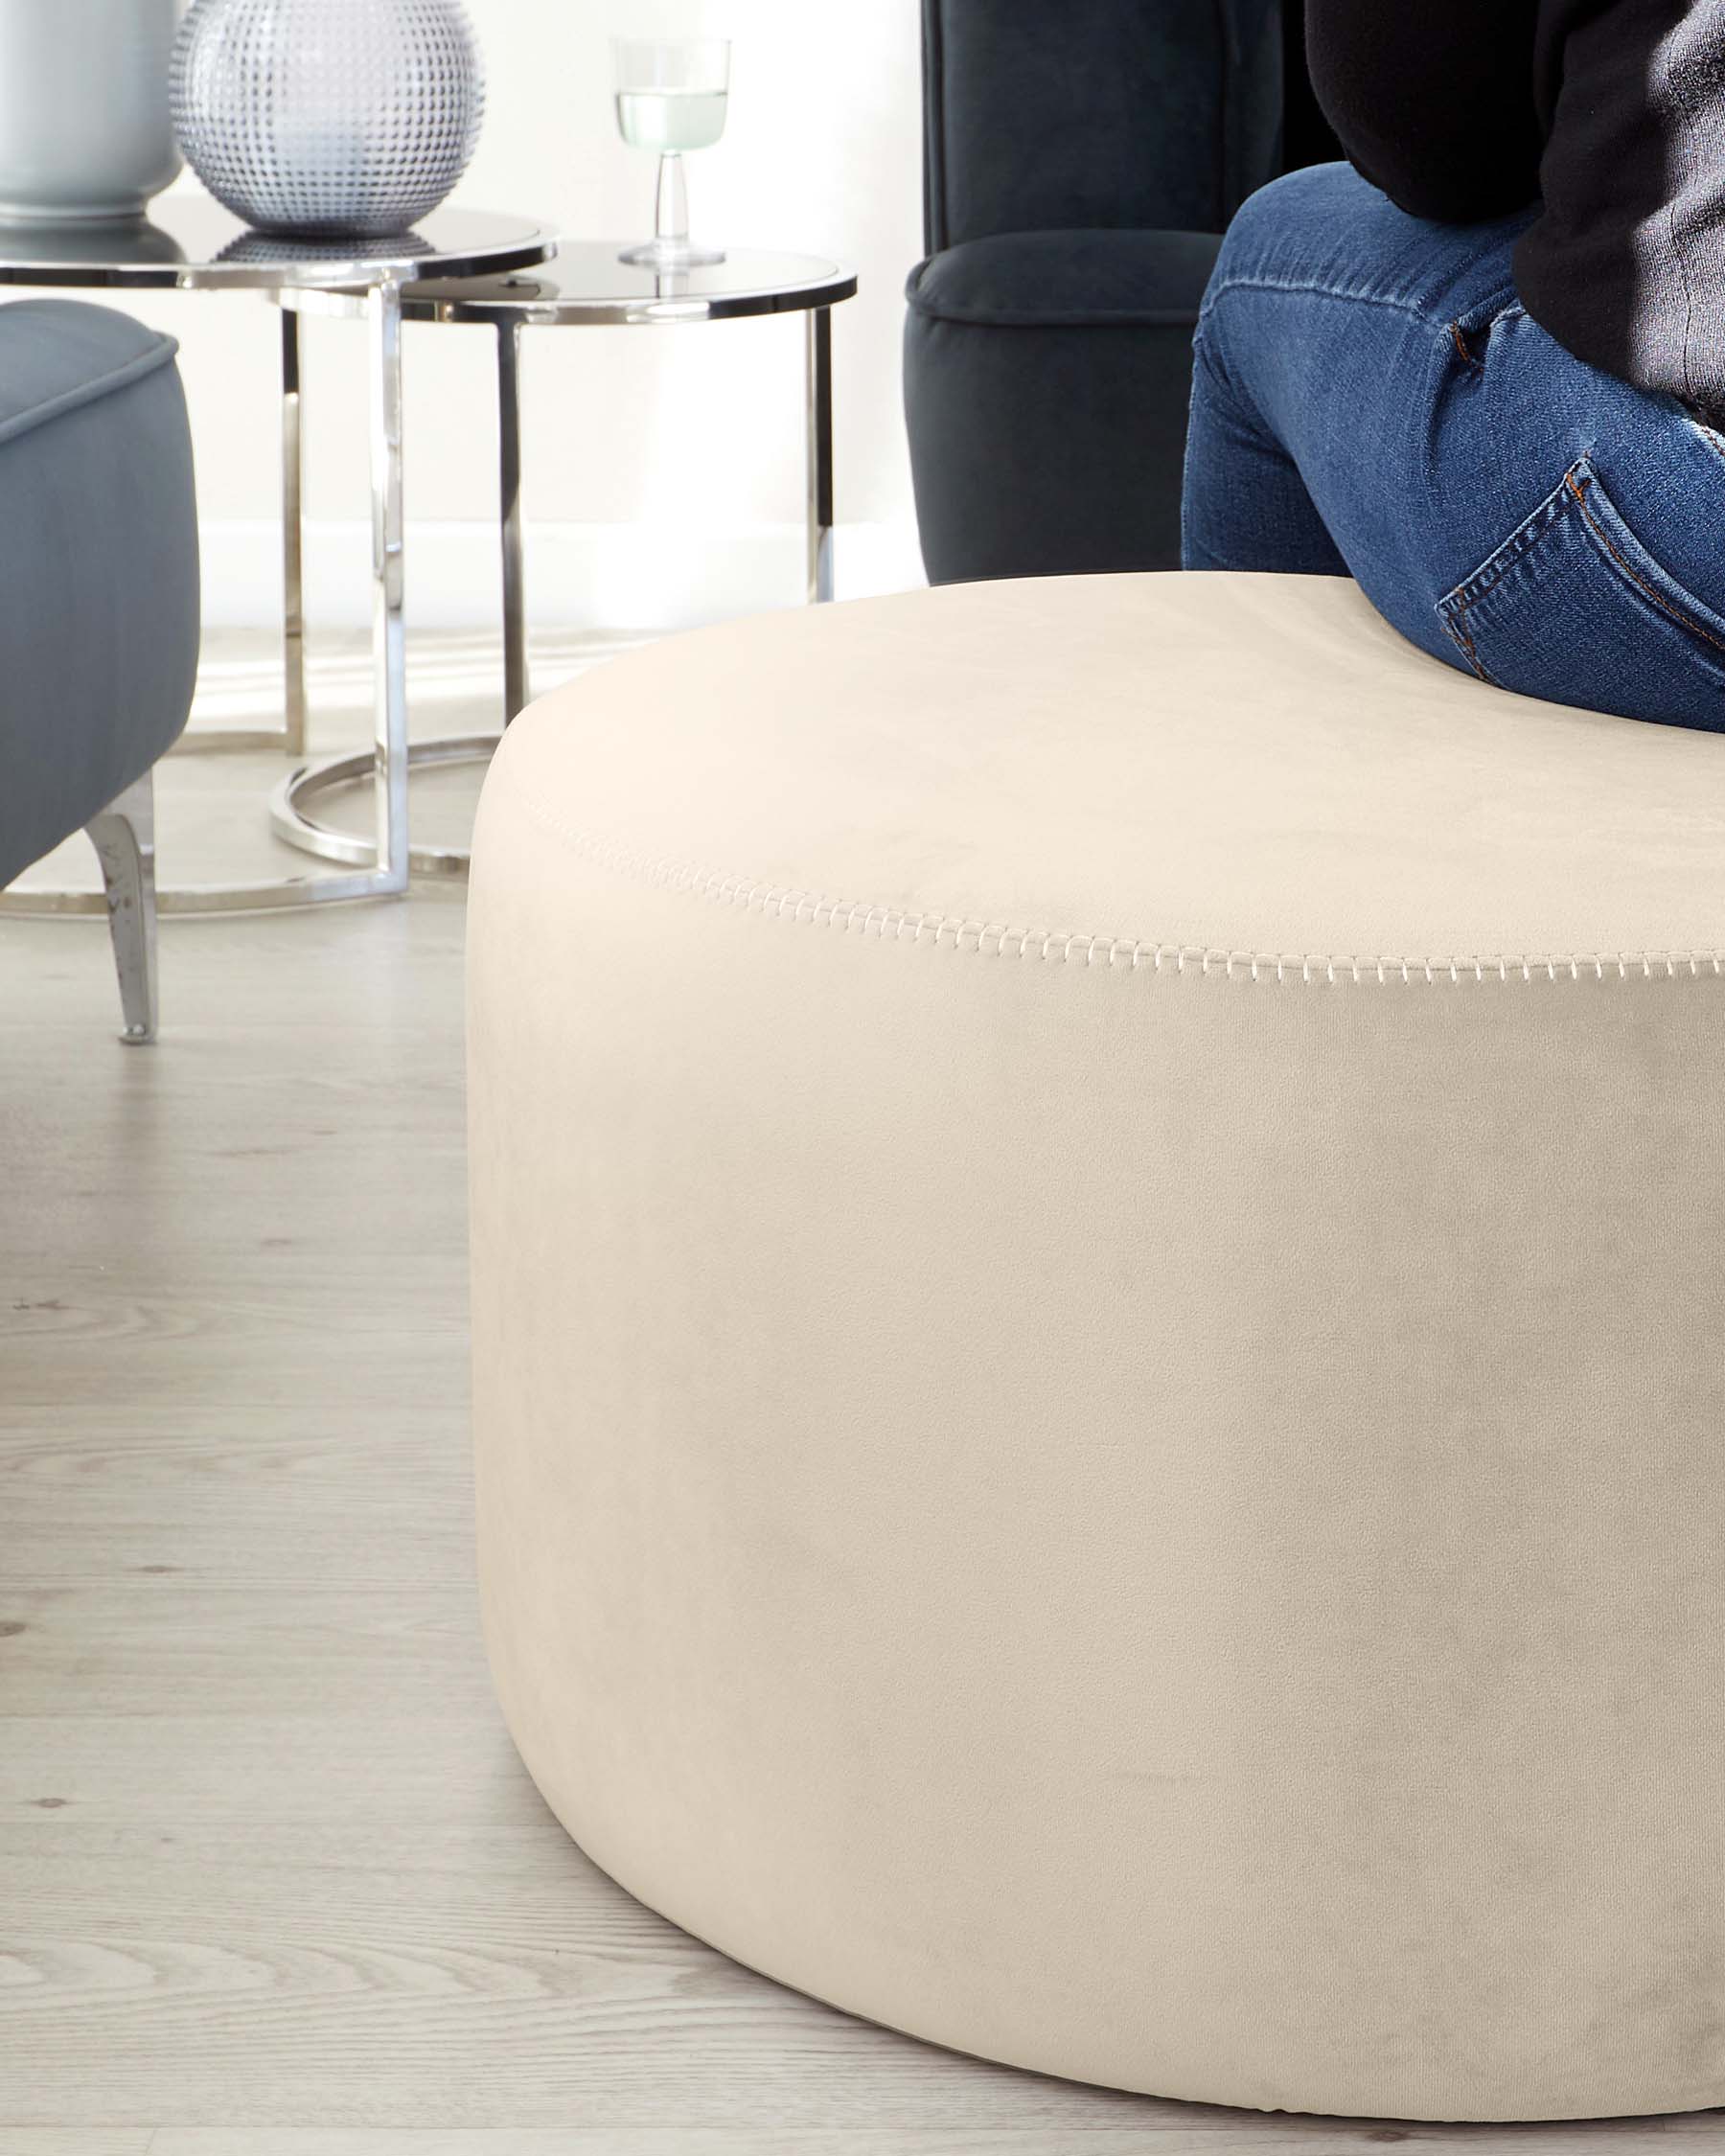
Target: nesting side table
(191, 243)
(587, 288)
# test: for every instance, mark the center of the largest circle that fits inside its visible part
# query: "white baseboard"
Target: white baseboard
(585, 576)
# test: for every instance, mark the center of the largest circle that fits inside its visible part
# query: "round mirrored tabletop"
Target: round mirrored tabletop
(588, 283)
(191, 242)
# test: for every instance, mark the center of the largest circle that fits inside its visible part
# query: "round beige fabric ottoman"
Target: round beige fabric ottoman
(1099, 1242)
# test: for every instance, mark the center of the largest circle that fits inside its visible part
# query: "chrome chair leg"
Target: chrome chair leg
(124, 836)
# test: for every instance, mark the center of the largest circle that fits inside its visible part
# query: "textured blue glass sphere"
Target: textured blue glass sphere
(328, 117)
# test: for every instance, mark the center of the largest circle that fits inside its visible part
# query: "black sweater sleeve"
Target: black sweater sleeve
(1431, 99)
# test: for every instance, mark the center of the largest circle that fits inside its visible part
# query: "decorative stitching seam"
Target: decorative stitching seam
(1641, 583)
(1456, 623)
(1527, 534)
(156, 355)
(891, 924)
(1232, 284)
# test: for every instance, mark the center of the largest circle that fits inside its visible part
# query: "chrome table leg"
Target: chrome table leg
(124, 836)
(820, 454)
(383, 332)
(515, 691)
(380, 869)
(383, 860)
(390, 858)
(289, 737)
(293, 540)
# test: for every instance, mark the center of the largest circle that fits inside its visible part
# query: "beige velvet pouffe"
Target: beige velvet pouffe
(1099, 1224)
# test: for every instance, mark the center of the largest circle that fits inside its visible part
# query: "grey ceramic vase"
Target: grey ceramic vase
(83, 107)
(328, 117)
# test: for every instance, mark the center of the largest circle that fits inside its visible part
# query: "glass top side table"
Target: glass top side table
(189, 244)
(587, 288)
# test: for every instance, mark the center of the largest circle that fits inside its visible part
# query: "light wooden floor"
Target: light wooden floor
(272, 1882)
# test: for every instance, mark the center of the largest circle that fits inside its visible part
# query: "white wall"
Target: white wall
(664, 467)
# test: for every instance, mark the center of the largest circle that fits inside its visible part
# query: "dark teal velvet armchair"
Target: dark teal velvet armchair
(1081, 161)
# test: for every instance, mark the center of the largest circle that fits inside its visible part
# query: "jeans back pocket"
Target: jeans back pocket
(1573, 608)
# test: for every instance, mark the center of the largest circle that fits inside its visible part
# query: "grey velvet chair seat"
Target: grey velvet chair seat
(99, 598)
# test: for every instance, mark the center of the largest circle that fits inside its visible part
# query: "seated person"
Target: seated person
(1483, 369)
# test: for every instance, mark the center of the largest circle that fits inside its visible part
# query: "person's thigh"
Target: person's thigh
(1508, 509)
(1243, 502)
(1331, 325)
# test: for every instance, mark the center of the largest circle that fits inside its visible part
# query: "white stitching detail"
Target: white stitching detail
(1052, 947)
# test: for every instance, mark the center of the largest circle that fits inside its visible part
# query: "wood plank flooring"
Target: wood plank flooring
(272, 1882)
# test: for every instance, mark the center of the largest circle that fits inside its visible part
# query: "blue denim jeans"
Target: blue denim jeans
(1369, 399)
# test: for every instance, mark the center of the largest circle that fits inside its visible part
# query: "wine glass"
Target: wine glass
(671, 97)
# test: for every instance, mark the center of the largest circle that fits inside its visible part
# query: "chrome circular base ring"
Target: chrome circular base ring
(291, 820)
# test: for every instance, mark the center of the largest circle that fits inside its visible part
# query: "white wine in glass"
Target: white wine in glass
(671, 98)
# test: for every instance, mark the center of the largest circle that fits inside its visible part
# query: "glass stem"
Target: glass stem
(672, 220)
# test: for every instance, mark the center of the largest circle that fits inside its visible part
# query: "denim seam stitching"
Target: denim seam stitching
(1460, 342)
(1532, 529)
(1641, 583)
(1112, 953)
(1232, 284)
(1457, 625)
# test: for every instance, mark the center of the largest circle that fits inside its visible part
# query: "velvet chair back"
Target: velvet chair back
(1088, 115)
